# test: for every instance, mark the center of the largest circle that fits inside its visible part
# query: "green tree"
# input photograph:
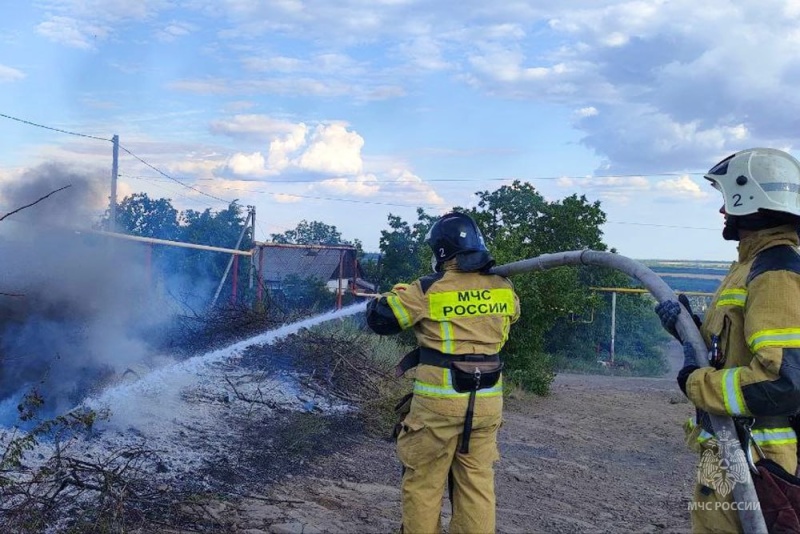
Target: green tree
(371, 265)
(218, 229)
(404, 254)
(192, 275)
(140, 215)
(583, 338)
(308, 294)
(303, 294)
(518, 223)
(310, 233)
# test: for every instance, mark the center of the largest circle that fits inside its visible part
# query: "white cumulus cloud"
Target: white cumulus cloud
(407, 184)
(72, 32)
(282, 150)
(332, 149)
(8, 74)
(174, 30)
(589, 111)
(257, 127)
(247, 164)
(364, 185)
(682, 187)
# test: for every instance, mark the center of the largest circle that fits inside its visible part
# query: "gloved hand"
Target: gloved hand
(683, 299)
(689, 355)
(689, 365)
(669, 310)
(400, 287)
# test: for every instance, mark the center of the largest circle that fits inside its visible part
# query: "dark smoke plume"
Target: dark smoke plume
(84, 304)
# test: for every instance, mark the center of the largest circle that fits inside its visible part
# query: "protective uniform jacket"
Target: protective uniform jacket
(452, 312)
(756, 315)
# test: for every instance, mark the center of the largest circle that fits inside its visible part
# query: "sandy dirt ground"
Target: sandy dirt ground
(600, 454)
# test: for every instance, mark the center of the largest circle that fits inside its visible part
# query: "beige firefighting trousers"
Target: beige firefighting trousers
(427, 447)
(713, 512)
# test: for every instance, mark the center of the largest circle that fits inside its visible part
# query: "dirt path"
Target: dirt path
(600, 454)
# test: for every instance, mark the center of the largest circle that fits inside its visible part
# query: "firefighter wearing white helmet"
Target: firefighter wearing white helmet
(752, 328)
(760, 187)
(461, 317)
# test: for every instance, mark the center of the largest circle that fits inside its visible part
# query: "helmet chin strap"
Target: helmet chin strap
(754, 222)
(475, 261)
(730, 232)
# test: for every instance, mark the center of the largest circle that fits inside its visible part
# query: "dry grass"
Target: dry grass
(344, 360)
(117, 492)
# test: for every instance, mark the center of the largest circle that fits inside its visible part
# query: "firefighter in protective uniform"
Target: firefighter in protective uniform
(461, 317)
(752, 328)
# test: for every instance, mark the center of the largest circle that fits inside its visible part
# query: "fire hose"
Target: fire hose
(744, 492)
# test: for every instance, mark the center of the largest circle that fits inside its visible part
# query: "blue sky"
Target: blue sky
(347, 111)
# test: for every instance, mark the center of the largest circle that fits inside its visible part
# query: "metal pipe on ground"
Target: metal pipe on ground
(744, 493)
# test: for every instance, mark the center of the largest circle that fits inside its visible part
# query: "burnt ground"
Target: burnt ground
(600, 454)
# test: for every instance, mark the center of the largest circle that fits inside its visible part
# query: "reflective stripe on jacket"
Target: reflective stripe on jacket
(452, 312)
(762, 436)
(756, 315)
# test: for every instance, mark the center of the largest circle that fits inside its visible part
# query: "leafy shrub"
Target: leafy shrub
(348, 362)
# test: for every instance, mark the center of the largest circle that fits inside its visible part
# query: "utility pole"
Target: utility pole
(613, 325)
(230, 262)
(340, 290)
(252, 210)
(744, 492)
(112, 208)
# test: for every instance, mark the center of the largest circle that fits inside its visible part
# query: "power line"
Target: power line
(343, 200)
(664, 225)
(506, 179)
(156, 183)
(334, 199)
(162, 173)
(346, 180)
(456, 180)
(159, 171)
(53, 129)
(414, 206)
(462, 180)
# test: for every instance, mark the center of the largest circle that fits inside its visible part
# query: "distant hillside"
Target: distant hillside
(690, 275)
(681, 264)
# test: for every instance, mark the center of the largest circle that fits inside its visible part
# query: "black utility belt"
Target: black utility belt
(424, 355)
(470, 372)
(439, 359)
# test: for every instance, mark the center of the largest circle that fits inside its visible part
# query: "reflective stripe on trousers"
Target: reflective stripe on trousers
(446, 390)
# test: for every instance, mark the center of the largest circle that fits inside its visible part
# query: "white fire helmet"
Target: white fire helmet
(758, 179)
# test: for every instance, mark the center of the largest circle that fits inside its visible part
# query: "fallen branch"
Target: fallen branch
(243, 397)
(34, 202)
(271, 500)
